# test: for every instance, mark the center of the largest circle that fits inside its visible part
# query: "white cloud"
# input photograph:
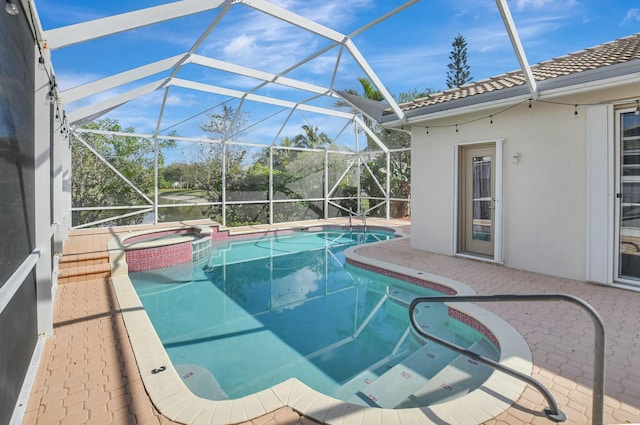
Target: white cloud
(631, 16)
(331, 13)
(180, 100)
(64, 14)
(242, 46)
(540, 27)
(254, 39)
(68, 80)
(544, 4)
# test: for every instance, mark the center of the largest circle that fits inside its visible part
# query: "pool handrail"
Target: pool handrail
(553, 412)
(363, 214)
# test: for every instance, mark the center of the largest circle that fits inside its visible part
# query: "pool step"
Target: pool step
(80, 267)
(216, 257)
(401, 296)
(402, 380)
(454, 380)
(366, 377)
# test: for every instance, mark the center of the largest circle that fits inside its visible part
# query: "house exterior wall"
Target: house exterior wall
(558, 200)
(544, 194)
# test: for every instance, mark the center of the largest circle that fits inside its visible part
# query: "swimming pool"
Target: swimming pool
(260, 311)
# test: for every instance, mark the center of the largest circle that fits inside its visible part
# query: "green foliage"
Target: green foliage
(459, 72)
(93, 184)
(400, 162)
(311, 138)
(205, 169)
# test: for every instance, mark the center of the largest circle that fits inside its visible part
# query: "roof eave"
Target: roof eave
(596, 79)
(461, 106)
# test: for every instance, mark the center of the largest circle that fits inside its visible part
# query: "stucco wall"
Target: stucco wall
(544, 195)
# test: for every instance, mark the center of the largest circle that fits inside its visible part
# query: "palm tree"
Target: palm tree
(401, 161)
(311, 138)
(369, 91)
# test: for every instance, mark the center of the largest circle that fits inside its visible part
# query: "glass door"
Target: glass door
(629, 197)
(477, 200)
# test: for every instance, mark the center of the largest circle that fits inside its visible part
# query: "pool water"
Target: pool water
(263, 310)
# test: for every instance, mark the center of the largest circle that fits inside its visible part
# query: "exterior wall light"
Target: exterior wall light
(516, 158)
(11, 8)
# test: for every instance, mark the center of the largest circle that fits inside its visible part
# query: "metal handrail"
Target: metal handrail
(364, 219)
(552, 412)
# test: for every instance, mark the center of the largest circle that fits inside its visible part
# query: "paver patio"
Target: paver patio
(88, 372)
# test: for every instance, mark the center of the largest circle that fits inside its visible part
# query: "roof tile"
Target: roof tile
(618, 51)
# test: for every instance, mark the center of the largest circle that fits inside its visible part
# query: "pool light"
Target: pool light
(11, 8)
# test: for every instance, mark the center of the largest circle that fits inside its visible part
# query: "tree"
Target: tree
(311, 138)
(177, 172)
(93, 184)
(400, 162)
(297, 174)
(459, 71)
(207, 166)
(369, 91)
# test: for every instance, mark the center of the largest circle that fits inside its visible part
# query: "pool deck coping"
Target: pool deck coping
(174, 400)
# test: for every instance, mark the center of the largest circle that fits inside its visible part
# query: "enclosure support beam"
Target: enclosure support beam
(510, 25)
(270, 184)
(97, 28)
(325, 183)
(259, 75)
(388, 200)
(95, 110)
(257, 98)
(223, 190)
(370, 133)
(118, 80)
(114, 169)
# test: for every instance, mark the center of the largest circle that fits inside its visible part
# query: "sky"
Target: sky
(409, 51)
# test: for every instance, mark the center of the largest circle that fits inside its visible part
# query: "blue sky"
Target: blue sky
(408, 51)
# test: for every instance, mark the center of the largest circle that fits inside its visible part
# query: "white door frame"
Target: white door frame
(617, 204)
(499, 207)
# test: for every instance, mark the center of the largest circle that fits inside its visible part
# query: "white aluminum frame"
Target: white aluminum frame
(86, 31)
(328, 199)
(79, 33)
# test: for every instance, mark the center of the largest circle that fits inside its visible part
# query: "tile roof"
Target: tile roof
(618, 51)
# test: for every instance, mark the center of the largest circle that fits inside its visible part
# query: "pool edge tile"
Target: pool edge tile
(442, 414)
(389, 417)
(305, 402)
(298, 391)
(180, 409)
(173, 405)
(191, 412)
(294, 393)
(282, 391)
(319, 408)
(268, 400)
(346, 414)
(204, 416)
(238, 413)
(222, 413)
(371, 417)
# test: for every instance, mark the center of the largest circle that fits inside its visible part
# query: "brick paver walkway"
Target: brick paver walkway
(561, 335)
(89, 375)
